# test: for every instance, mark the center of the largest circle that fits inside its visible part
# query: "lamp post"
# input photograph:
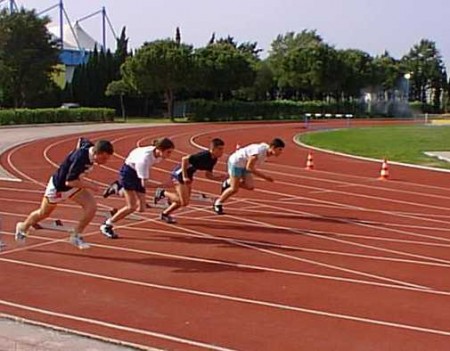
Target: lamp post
(407, 76)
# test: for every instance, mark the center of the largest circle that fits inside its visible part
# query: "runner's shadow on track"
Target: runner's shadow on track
(328, 219)
(179, 265)
(255, 229)
(228, 243)
(242, 228)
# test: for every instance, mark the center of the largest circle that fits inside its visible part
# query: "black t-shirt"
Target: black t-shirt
(201, 161)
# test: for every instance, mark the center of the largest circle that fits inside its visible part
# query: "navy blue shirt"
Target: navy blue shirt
(75, 164)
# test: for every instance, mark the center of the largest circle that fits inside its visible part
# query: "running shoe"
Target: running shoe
(78, 241)
(108, 231)
(225, 185)
(112, 189)
(168, 218)
(159, 194)
(20, 235)
(218, 209)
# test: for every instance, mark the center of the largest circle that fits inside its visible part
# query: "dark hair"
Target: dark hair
(103, 146)
(216, 142)
(163, 144)
(277, 142)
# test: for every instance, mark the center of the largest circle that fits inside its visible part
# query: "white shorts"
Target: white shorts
(53, 196)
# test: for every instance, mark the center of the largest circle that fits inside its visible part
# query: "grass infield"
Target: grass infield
(405, 144)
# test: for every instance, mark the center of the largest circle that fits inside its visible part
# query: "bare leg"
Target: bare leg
(181, 198)
(131, 199)
(87, 202)
(235, 183)
(141, 202)
(38, 215)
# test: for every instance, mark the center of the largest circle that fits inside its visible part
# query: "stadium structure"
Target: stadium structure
(75, 42)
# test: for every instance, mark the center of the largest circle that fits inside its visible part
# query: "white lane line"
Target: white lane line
(347, 270)
(326, 265)
(246, 266)
(336, 217)
(356, 223)
(327, 237)
(232, 298)
(339, 234)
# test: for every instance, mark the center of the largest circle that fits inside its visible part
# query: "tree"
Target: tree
(121, 53)
(428, 75)
(304, 65)
(119, 88)
(91, 79)
(386, 72)
(178, 36)
(160, 66)
(28, 56)
(264, 85)
(222, 68)
(356, 72)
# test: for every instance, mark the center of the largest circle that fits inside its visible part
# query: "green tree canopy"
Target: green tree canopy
(304, 63)
(160, 66)
(428, 75)
(222, 68)
(28, 56)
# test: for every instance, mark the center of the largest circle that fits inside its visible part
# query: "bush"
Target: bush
(205, 110)
(56, 115)
(423, 107)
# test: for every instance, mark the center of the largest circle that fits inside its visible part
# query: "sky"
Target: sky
(369, 25)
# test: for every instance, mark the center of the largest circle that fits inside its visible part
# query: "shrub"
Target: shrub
(55, 115)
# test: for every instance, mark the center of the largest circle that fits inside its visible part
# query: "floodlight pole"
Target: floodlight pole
(61, 23)
(12, 5)
(104, 27)
(105, 21)
(407, 76)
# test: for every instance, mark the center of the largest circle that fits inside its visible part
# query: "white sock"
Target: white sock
(108, 222)
(217, 203)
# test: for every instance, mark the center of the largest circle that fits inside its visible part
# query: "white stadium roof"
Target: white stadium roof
(78, 39)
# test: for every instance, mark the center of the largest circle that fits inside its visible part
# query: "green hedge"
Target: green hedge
(56, 115)
(204, 110)
(421, 107)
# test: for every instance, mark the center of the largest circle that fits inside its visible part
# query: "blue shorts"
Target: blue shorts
(129, 179)
(234, 171)
(177, 176)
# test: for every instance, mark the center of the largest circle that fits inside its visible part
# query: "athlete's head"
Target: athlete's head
(276, 147)
(216, 147)
(163, 147)
(102, 150)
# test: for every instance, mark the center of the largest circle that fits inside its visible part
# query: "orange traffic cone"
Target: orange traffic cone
(384, 173)
(310, 162)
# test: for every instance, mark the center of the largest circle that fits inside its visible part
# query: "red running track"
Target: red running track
(330, 259)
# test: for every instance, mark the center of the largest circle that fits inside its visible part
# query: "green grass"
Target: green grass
(397, 143)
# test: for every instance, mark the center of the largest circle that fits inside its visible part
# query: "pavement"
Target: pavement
(12, 136)
(441, 155)
(21, 336)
